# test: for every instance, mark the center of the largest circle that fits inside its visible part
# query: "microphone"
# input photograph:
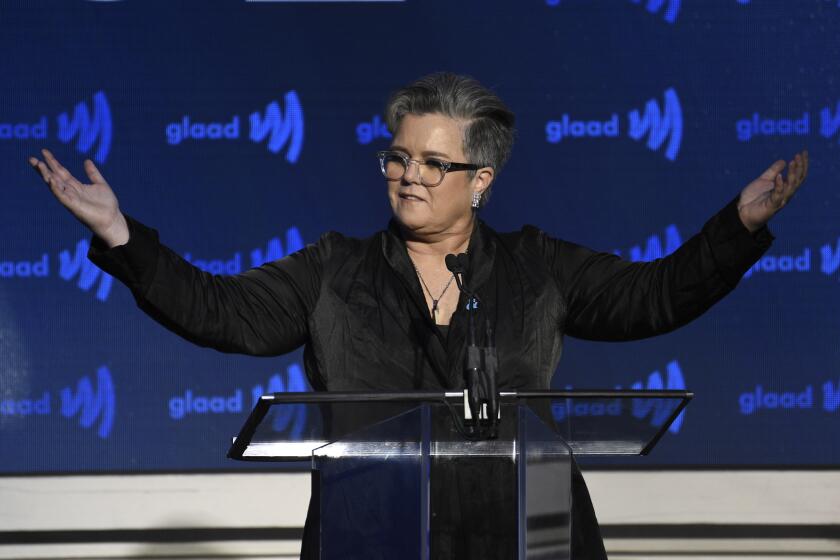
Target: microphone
(454, 264)
(458, 268)
(480, 369)
(457, 265)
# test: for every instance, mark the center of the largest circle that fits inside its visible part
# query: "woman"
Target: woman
(381, 313)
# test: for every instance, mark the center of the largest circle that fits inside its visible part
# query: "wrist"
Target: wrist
(751, 226)
(117, 233)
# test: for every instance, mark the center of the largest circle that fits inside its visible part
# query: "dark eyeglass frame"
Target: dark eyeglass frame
(445, 166)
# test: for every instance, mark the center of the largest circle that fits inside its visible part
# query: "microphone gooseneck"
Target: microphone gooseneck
(481, 363)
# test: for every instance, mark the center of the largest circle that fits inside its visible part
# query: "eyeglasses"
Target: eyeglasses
(432, 171)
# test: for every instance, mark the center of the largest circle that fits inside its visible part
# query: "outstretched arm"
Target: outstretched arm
(262, 311)
(608, 298)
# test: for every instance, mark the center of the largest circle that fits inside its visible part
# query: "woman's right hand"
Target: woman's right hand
(95, 204)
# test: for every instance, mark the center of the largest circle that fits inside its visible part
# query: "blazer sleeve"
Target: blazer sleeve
(262, 311)
(609, 298)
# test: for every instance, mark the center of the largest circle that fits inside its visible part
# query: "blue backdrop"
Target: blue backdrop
(244, 131)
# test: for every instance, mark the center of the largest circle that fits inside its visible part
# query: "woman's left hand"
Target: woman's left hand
(765, 196)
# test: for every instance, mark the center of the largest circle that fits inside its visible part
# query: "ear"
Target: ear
(483, 178)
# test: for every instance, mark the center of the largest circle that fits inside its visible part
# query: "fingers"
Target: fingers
(57, 185)
(93, 173)
(773, 170)
(797, 176)
(40, 168)
(805, 155)
(796, 172)
(777, 195)
(48, 176)
(56, 167)
(783, 190)
(793, 169)
(804, 172)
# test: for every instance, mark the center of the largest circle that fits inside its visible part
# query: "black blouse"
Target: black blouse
(444, 330)
(357, 307)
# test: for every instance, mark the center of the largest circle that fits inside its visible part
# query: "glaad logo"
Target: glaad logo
(281, 130)
(655, 248)
(658, 411)
(829, 261)
(367, 132)
(670, 12)
(274, 249)
(782, 263)
(799, 125)
(831, 394)
(89, 128)
(78, 265)
(760, 399)
(830, 258)
(233, 265)
(91, 404)
(38, 268)
(70, 266)
(292, 418)
(658, 124)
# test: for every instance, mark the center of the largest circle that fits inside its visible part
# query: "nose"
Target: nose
(409, 176)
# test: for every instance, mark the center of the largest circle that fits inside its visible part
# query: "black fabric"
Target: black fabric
(444, 331)
(357, 307)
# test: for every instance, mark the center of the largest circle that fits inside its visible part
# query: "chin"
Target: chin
(412, 219)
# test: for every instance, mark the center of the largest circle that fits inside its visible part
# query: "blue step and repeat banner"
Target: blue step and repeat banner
(243, 130)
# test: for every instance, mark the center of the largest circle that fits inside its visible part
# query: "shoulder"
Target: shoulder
(337, 242)
(529, 237)
(534, 245)
(335, 248)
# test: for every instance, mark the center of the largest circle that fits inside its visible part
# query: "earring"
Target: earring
(476, 199)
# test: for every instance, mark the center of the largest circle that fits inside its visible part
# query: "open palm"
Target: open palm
(767, 194)
(93, 204)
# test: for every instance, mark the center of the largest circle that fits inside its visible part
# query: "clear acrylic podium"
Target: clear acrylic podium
(398, 475)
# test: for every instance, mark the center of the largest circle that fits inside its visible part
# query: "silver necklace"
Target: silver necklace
(434, 300)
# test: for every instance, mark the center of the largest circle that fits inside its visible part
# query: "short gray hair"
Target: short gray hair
(489, 132)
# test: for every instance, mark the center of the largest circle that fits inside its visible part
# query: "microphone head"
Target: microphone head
(453, 264)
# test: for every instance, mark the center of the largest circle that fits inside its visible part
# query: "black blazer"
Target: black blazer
(357, 307)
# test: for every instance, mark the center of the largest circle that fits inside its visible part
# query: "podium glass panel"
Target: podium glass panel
(402, 475)
(412, 486)
(623, 423)
(545, 498)
(374, 487)
(289, 426)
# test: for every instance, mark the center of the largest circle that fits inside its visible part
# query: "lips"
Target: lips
(411, 197)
